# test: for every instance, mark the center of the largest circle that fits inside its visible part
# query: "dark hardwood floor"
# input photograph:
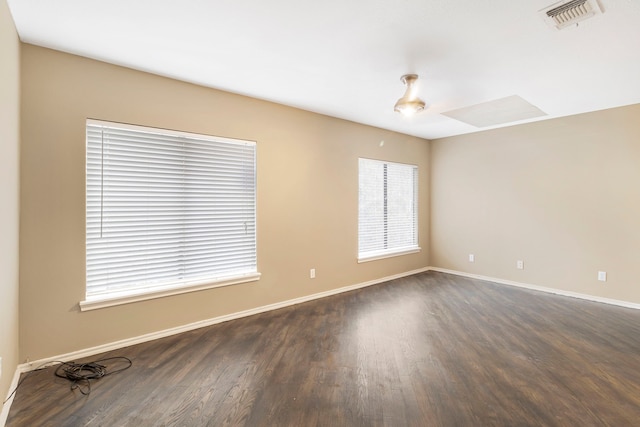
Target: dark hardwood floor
(427, 350)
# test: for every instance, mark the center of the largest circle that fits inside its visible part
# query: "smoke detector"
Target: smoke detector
(566, 13)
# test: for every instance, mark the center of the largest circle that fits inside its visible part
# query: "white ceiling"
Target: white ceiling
(344, 58)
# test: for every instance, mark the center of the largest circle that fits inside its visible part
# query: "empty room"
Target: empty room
(382, 213)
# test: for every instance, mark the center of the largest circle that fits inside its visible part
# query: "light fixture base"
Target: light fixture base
(408, 79)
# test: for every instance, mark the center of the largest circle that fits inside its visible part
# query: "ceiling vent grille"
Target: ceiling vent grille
(564, 14)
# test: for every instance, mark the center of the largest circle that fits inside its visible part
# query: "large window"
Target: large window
(387, 209)
(166, 211)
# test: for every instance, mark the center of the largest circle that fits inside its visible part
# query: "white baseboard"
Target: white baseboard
(587, 297)
(4, 414)
(26, 367)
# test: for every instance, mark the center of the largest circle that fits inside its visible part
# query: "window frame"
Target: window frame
(146, 292)
(372, 255)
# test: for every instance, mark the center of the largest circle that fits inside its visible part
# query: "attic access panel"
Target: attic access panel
(499, 111)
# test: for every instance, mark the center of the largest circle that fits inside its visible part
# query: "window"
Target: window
(166, 211)
(387, 209)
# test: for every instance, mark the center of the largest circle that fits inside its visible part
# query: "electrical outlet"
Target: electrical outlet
(312, 273)
(520, 264)
(602, 276)
(472, 258)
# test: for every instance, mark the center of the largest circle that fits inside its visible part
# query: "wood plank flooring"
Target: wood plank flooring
(427, 350)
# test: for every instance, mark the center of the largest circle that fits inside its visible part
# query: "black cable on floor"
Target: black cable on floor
(78, 373)
(83, 373)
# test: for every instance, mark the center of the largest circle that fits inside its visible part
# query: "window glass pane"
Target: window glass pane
(371, 205)
(401, 208)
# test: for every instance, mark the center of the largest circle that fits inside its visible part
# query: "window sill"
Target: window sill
(374, 257)
(126, 298)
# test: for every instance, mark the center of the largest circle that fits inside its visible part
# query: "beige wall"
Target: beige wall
(9, 195)
(307, 197)
(563, 195)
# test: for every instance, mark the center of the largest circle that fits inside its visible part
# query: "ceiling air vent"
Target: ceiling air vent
(566, 13)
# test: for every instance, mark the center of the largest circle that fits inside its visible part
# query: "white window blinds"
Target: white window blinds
(387, 208)
(166, 209)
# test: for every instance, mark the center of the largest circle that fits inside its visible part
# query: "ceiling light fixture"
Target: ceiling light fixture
(409, 104)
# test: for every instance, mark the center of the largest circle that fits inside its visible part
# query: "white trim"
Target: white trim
(171, 132)
(94, 304)
(25, 367)
(4, 414)
(587, 297)
(389, 254)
